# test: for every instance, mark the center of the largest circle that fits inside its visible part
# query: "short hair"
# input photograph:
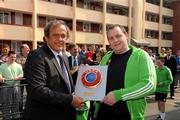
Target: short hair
(55, 23)
(11, 52)
(22, 46)
(162, 59)
(6, 46)
(110, 27)
(72, 45)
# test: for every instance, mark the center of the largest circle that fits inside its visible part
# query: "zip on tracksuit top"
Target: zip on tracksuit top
(164, 75)
(140, 81)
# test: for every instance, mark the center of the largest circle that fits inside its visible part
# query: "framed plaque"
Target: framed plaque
(91, 82)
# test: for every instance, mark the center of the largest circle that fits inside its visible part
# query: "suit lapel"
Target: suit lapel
(70, 61)
(68, 70)
(79, 60)
(58, 67)
(54, 61)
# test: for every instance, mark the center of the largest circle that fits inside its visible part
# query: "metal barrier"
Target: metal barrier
(12, 99)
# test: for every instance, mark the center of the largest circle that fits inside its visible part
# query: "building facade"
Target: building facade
(22, 21)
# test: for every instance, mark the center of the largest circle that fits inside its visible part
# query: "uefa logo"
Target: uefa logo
(91, 78)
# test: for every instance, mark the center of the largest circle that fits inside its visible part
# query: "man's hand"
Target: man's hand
(109, 99)
(17, 78)
(74, 69)
(2, 80)
(77, 102)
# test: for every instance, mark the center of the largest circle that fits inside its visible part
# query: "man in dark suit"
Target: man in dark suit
(50, 86)
(170, 62)
(75, 60)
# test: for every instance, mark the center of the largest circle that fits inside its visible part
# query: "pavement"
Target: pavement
(172, 108)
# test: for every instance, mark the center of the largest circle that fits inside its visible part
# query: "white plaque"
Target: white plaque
(91, 82)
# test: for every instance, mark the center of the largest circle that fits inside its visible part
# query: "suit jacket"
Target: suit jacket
(171, 64)
(48, 96)
(81, 60)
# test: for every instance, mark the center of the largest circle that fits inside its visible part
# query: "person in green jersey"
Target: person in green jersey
(131, 77)
(164, 79)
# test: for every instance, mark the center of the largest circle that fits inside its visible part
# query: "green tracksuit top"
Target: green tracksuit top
(140, 81)
(163, 75)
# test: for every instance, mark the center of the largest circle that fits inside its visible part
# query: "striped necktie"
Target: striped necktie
(65, 72)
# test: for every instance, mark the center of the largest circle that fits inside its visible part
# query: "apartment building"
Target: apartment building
(148, 22)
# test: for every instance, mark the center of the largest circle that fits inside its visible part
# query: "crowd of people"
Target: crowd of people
(51, 71)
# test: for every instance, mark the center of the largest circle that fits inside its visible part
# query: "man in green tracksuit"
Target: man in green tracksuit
(131, 77)
(164, 79)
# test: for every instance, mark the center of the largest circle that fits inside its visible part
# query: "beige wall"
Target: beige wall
(119, 2)
(91, 38)
(19, 5)
(13, 32)
(168, 12)
(166, 43)
(151, 25)
(89, 15)
(116, 19)
(152, 8)
(168, 28)
(54, 9)
(153, 42)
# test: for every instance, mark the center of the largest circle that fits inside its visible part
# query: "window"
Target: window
(167, 35)
(155, 2)
(5, 17)
(109, 9)
(86, 27)
(18, 18)
(87, 4)
(168, 4)
(15, 46)
(152, 34)
(152, 17)
(119, 10)
(27, 19)
(79, 26)
(48, 19)
(95, 28)
(167, 20)
(52, 1)
(42, 21)
(69, 24)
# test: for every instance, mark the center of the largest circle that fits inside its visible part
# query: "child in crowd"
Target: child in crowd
(164, 79)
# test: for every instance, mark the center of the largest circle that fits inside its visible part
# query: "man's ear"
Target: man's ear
(45, 39)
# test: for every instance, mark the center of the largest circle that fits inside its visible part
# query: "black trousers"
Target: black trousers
(172, 89)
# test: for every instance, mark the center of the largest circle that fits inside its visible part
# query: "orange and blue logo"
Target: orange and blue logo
(91, 78)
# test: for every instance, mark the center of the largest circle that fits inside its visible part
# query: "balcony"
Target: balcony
(14, 32)
(153, 42)
(19, 5)
(89, 15)
(168, 28)
(167, 12)
(117, 19)
(40, 34)
(151, 25)
(89, 38)
(119, 2)
(153, 8)
(54, 9)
